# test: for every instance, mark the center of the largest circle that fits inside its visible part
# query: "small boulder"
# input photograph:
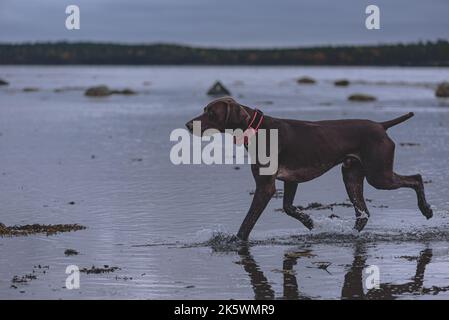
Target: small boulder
(361, 97)
(30, 89)
(306, 80)
(3, 82)
(98, 91)
(341, 83)
(218, 89)
(442, 90)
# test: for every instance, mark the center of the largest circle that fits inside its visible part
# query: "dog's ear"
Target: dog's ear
(235, 114)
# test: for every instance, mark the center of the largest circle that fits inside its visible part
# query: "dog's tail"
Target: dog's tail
(391, 123)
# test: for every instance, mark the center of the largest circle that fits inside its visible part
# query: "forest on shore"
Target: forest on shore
(90, 53)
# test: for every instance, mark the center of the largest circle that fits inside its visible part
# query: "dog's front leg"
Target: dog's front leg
(265, 189)
(292, 211)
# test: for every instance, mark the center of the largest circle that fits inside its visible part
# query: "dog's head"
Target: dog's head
(220, 114)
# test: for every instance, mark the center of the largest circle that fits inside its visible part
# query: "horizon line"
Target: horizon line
(205, 47)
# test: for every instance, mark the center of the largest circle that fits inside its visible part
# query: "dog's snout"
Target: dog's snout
(189, 126)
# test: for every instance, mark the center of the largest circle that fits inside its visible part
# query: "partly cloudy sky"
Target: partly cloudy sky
(230, 23)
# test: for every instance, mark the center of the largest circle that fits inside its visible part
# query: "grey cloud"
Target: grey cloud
(226, 23)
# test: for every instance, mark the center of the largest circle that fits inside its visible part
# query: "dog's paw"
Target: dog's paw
(426, 210)
(306, 220)
(360, 223)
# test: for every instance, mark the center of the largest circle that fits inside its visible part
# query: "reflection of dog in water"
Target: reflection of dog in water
(261, 286)
(353, 283)
(353, 280)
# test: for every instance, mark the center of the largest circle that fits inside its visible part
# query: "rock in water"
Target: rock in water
(341, 83)
(218, 89)
(124, 91)
(443, 90)
(361, 97)
(306, 80)
(3, 82)
(99, 91)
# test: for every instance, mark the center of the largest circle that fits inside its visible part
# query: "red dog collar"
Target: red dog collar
(251, 130)
(257, 118)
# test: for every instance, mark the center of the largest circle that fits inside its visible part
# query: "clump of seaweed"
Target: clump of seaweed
(70, 252)
(25, 279)
(322, 265)
(96, 270)
(409, 144)
(408, 258)
(320, 206)
(29, 229)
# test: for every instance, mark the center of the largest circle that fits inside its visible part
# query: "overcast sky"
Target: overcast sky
(230, 23)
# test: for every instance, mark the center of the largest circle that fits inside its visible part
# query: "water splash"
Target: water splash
(222, 242)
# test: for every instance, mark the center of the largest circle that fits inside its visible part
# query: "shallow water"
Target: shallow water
(169, 228)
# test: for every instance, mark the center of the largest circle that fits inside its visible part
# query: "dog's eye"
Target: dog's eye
(210, 114)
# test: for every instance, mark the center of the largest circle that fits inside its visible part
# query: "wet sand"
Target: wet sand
(166, 231)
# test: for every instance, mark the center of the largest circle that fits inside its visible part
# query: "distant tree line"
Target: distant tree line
(86, 53)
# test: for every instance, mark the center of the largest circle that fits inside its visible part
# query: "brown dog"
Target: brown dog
(306, 150)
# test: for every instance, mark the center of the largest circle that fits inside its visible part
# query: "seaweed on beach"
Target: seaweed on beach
(409, 144)
(25, 279)
(71, 252)
(320, 206)
(408, 258)
(30, 229)
(322, 265)
(96, 270)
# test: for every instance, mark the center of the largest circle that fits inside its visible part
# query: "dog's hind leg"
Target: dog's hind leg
(353, 177)
(292, 211)
(395, 181)
(379, 173)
